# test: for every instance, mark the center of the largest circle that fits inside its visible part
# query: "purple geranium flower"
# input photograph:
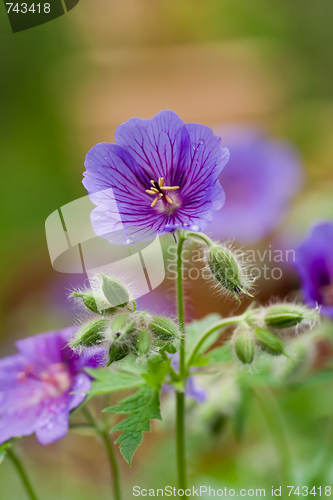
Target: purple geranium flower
(37, 385)
(314, 263)
(259, 181)
(160, 175)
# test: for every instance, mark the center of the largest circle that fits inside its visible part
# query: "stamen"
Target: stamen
(158, 190)
(155, 201)
(169, 188)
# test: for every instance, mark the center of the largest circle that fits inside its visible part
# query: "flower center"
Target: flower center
(55, 379)
(158, 190)
(327, 294)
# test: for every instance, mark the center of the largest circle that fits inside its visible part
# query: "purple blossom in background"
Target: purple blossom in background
(261, 177)
(191, 389)
(36, 386)
(314, 263)
(149, 157)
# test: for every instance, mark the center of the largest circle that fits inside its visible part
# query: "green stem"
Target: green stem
(21, 472)
(276, 422)
(180, 396)
(104, 435)
(180, 303)
(220, 324)
(181, 462)
(202, 236)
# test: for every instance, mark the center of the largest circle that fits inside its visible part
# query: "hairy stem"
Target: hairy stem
(180, 396)
(104, 435)
(21, 472)
(220, 324)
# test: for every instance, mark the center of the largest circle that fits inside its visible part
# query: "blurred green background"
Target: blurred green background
(67, 85)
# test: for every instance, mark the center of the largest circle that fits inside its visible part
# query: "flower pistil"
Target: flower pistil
(158, 191)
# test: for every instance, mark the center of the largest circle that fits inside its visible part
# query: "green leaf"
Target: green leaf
(220, 355)
(197, 328)
(109, 381)
(142, 407)
(158, 369)
(3, 450)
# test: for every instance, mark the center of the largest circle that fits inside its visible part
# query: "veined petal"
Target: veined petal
(159, 145)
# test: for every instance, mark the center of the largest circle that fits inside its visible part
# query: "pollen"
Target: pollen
(158, 190)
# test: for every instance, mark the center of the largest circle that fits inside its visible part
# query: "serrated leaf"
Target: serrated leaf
(109, 381)
(158, 369)
(142, 406)
(195, 330)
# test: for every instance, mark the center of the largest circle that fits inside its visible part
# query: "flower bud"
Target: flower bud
(143, 342)
(269, 342)
(226, 270)
(165, 332)
(122, 327)
(115, 293)
(89, 301)
(244, 347)
(288, 315)
(117, 352)
(91, 334)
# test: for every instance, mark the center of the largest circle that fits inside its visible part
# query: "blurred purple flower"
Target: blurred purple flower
(191, 388)
(261, 177)
(314, 263)
(149, 155)
(37, 384)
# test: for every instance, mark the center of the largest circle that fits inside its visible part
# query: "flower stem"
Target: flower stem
(220, 324)
(21, 472)
(180, 396)
(276, 422)
(104, 435)
(202, 236)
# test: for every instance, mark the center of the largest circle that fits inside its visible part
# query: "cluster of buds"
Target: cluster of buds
(230, 274)
(263, 329)
(120, 329)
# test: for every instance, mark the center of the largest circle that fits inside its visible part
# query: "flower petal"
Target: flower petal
(53, 421)
(159, 145)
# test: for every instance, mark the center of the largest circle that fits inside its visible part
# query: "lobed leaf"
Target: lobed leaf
(142, 406)
(109, 381)
(158, 369)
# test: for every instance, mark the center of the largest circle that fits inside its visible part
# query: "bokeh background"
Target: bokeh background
(67, 85)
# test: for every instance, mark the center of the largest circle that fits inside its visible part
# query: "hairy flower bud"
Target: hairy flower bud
(117, 352)
(143, 342)
(269, 342)
(122, 327)
(226, 270)
(244, 347)
(288, 315)
(88, 298)
(115, 293)
(165, 332)
(91, 334)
